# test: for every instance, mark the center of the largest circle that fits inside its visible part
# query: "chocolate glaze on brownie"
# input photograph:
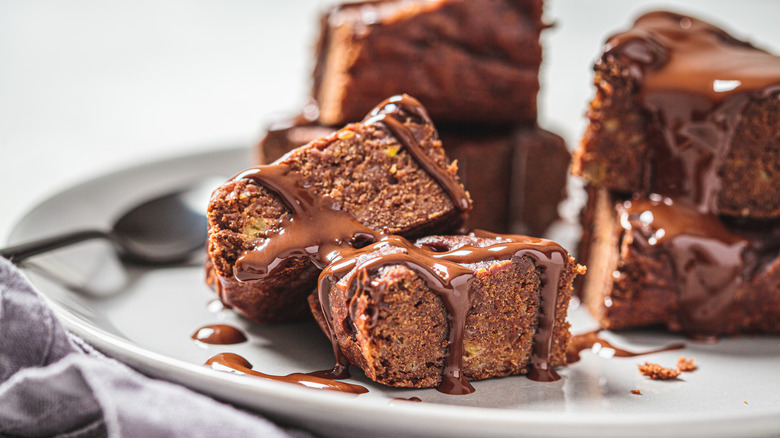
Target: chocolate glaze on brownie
(685, 110)
(652, 261)
(317, 224)
(448, 267)
(708, 260)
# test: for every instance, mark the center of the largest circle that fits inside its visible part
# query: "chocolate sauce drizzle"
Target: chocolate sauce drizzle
(694, 81)
(410, 399)
(448, 277)
(588, 340)
(320, 230)
(219, 334)
(707, 260)
(231, 362)
(386, 113)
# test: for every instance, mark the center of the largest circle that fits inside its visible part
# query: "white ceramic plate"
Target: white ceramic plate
(145, 318)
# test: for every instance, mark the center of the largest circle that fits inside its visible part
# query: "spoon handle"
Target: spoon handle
(22, 251)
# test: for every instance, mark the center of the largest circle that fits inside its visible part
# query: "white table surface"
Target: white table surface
(88, 86)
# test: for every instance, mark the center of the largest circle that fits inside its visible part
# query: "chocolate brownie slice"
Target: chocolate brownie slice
(449, 309)
(474, 61)
(653, 261)
(685, 110)
(270, 226)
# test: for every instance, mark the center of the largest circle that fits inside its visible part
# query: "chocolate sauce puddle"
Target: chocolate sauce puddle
(321, 231)
(592, 341)
(219, 334)
(410, 399)
(234, 363)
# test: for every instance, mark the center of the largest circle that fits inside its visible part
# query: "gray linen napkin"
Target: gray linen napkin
(54, 384)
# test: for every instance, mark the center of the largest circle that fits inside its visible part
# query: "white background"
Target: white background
(89, 86)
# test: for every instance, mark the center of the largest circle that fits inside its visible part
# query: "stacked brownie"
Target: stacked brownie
(334, 216)
(682, 161)
(475, 66)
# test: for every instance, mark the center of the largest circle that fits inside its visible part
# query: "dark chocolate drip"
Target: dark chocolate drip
(553, 259)
(386, 113)
(231, 362)
(448, 280)
(707, 259)
(682, 54)
(316, 229)
(694, 81)
(446, 275)
(589, 340)
(219, 334)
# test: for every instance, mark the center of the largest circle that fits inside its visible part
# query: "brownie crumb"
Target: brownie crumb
(657, 372)
(636, 391)
(686, 365)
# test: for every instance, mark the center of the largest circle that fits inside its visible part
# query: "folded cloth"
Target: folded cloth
(53, 384)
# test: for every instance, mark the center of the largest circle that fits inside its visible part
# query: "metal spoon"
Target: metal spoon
(163, 230)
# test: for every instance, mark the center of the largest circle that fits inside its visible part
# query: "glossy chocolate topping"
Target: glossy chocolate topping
(592, 341)
(234, 363)
(682, 54)
(707, 260)
(317, 226)
(219, 334)
(447, 274)
(318, 229)
(694, 80)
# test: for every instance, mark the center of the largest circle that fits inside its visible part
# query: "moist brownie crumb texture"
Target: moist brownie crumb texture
(437, 312)
(682, 161)
(474, 65)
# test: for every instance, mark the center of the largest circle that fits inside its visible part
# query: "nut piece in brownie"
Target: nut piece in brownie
(501, 167)
(273, 228)
(685, 110)
(449, 309)
(653, 261)
(474, 61)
